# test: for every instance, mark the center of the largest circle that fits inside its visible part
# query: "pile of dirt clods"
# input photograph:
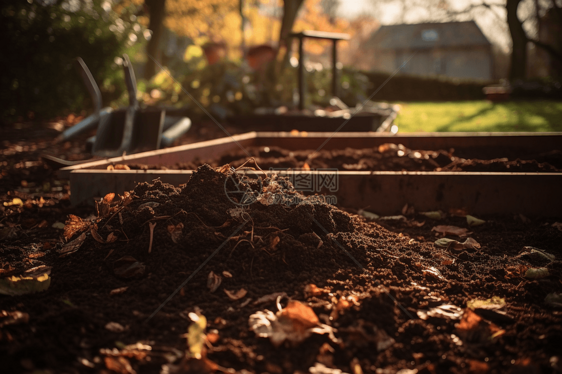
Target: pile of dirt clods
(270, 281)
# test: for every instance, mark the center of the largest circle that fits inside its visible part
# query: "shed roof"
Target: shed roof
(428, 35)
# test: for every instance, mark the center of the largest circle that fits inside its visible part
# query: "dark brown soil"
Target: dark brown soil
(277, 250)
(387, 157)
(272, 248)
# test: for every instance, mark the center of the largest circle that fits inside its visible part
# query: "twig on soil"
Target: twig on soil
(151, 226)
(110, 218)
(255, 163)
(243, 240)
(123, 231)
(109, 254)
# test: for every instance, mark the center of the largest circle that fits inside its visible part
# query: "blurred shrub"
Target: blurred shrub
(228, 87)
(413, 88)
(41, 40)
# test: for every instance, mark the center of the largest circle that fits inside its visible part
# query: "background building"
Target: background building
(451, 49)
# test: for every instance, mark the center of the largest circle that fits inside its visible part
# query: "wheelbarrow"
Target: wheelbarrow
(126, 130)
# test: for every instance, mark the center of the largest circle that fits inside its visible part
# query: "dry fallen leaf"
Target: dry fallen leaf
(294, 324)
(433, 215)
(491, 304)
(236, 295)
(535, 252)
(118, 291)
(119, 365)
(72, 246)
(473, 329)
(446, 311)
(469, 243)
(175, 232)
(453, 230)
(368, 215)
(473, 221)
(432, 272)
(312, 290)
(213, 281)
(104, 205)
(269, 298)
(301, 316)
(537, 273)
(111, 238)
(74, 225)
(114, 327)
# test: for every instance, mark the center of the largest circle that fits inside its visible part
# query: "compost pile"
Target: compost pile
(285, 283)
(386, 157)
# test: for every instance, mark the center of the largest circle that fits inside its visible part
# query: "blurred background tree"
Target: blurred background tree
(40, 41)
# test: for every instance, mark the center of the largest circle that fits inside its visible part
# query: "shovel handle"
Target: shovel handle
(90, 83)
(130, 81)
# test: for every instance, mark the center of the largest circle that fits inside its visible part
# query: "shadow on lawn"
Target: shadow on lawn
(524, 116)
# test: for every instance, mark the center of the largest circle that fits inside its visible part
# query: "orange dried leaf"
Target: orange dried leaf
(175, 232)
(74, 225)
(119, 365)
(111, 238)
(313, 290)
(302, 316)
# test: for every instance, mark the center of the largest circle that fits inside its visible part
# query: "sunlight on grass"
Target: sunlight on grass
(480, 116)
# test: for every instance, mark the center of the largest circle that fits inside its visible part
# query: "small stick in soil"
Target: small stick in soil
(110, 218)
(123, 231)
(243, 240)
(109, 254)
(151, 226)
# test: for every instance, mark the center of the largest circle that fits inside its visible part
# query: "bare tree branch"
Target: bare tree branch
(552, 51)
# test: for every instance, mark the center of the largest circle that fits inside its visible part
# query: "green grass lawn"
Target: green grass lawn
(480, 116)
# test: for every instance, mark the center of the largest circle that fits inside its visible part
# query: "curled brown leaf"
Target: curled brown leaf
(213, 281)
(236, 295)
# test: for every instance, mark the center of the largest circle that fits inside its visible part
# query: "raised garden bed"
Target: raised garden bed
(385, 192)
